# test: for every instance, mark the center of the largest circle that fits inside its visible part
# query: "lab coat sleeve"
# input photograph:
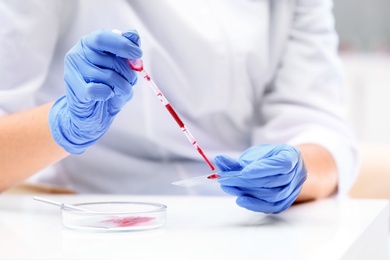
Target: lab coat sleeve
(306, 101)
(29, 31)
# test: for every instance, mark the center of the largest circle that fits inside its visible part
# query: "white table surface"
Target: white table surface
(200, 228)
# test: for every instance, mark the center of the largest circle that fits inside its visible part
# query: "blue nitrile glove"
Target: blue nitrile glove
(99, 82)
(271, 177)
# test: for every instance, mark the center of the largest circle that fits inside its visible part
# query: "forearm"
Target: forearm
(26, 145)
(322, 175)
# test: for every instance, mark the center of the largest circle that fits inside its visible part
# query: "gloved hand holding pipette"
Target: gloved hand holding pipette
(98, 84)
(270, 180)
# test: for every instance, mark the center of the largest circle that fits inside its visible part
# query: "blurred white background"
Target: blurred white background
(364, 31)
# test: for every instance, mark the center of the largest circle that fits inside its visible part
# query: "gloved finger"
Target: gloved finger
(259, 152)
(278, 193)
(226, 163)
(232, 190)
(86, 92)
(260, 205)
(278, 180)
(99, 91)
(266, 194)
(264, 182)
(108, 41)
(281, 163)
(133, 36)
(117, 102)
(119, 85)
(78, 94)
(110, 61)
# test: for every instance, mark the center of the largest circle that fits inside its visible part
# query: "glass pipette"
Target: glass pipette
(137, 65)
(61, 205)
(200, 180)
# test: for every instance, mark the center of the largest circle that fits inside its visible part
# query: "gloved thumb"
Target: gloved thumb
(227, 163)
(133, 36)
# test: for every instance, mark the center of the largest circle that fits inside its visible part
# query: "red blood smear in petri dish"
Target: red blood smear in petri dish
(127, 221)
(175, 115)
(213, 176)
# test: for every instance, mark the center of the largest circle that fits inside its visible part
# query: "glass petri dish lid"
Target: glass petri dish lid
(114, 216)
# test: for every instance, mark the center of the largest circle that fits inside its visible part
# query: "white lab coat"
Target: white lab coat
(239, 73)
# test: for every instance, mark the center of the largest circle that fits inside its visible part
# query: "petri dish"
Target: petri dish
(114, 216)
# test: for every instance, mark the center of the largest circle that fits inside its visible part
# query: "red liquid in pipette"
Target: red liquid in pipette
(174, 115)
(181, 124)
(137, 65)
(147, 77)
(205, 158)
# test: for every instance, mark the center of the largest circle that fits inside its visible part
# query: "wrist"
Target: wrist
(322, 175)
(61, 127)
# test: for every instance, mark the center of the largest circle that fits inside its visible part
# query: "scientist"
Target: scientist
(258, 83)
